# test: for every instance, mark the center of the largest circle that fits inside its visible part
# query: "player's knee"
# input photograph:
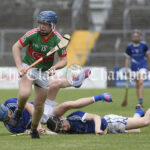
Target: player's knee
(24, 94)
(58, 83)
(140, 83)
(55, 83)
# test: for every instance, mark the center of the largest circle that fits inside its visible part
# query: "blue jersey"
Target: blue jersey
(25, 120)
(79, 125)
(137, 55)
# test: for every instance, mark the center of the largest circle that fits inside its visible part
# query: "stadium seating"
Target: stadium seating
(18, 15)
(81, 44)
(106, 42)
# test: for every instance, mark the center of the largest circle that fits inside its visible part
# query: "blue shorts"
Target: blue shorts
(137, 67)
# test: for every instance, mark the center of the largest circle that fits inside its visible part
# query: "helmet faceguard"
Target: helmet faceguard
(55, 124)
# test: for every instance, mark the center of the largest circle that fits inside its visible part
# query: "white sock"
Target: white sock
(51, 102)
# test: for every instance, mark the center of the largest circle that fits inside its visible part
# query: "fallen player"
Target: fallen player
(57, 82)
(81, 123)
(24, 124)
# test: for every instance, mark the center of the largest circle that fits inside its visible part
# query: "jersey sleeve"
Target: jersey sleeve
(62, 52)
(15, 130)
(128, 52)
(78, 115)
(146, 49)
(24, 40)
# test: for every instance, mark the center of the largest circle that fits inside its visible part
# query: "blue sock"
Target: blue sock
(140, 100)
(140, 112)
(98, 97)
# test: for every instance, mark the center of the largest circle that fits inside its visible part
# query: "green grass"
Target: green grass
(83, 142)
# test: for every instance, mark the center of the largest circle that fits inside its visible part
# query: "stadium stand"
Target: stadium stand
(81, 44)
(18, 14)
(104, 53)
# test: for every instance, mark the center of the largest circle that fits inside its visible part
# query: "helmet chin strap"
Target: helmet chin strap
(53, 26)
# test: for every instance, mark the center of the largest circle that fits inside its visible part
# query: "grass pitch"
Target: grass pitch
(138, 141)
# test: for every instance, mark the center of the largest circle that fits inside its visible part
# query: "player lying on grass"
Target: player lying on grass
(7, 110)
(80, 122)
(60, 81)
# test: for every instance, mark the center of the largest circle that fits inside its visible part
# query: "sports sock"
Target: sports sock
(52, 103)
(98, 98)
(34, 126)
(140, 100)
(140, 112)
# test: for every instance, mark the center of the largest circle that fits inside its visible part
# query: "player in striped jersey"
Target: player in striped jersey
(37, 42)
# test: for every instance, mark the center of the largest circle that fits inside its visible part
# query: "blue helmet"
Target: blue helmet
(3, 112)
(48, 16)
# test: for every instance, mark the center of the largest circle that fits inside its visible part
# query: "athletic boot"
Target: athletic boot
(87, 72)
(138, 107)
(106, 97)
(141, 103)
(77, 82)
(34, 134)
(103, 97)
(13, 121)
(140, 110)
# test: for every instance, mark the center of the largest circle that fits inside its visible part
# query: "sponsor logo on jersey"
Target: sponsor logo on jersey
(37, 55)
(35, 45)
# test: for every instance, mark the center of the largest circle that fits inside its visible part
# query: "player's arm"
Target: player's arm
(30, 108)
(127, 61)
(97, 121)
(62, 62)
(65, 106)
(148, 61)
(16, 54)
(127, 58)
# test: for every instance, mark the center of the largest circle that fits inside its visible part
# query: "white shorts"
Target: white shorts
(48, 110)
(116, 124)
(142, 71)
(136, 74)
(40, 78)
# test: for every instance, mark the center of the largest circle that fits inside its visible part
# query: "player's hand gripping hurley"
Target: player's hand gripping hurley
(62, 44)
